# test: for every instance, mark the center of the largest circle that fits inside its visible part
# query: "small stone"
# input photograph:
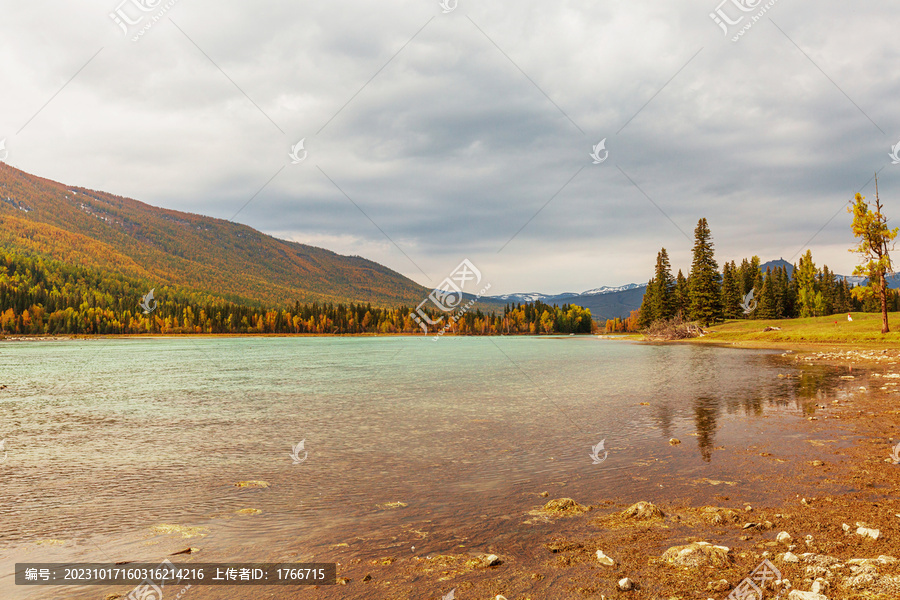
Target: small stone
(749, 525)
(819, 586)
(868, 532)
(626, 584)
(674, 441)
(604, 559)
(845, 527)
(367, 577)
(545, 494)
(817, 463)
(718, 586)
(790, 557)
(783, 538)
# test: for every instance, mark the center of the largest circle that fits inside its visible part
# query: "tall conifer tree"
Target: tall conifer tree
(705, 291)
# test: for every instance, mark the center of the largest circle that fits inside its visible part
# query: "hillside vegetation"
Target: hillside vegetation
(114, 237)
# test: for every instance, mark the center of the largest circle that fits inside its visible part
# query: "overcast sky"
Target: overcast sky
(433, 136)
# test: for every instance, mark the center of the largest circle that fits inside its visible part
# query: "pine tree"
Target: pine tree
(647, 313)
(682, 295)
(806, 286)
(766, 297)
(731, 295)
(664, 294)
(705, 292)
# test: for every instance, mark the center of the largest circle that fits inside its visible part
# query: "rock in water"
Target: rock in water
(674, 441)
(867, 532)
(626, 584)
(491, 560)
(642, 511)
(565, 506)
(698, 554)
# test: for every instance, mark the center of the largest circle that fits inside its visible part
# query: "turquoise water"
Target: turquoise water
(108, 437)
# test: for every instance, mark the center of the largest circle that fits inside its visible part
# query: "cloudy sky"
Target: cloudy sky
(433, 136)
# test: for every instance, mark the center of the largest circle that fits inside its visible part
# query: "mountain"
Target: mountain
(774, 264)
(604, 302)
(109, 234)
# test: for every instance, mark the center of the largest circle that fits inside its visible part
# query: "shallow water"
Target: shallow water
(108, 437)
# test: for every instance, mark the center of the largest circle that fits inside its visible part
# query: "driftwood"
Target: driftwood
(673, 329)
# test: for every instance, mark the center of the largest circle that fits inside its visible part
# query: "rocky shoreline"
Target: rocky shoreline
(841, 542)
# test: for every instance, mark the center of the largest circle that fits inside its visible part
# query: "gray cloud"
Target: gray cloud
(450, 148)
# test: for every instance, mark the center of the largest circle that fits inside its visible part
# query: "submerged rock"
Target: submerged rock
(674, 441)
(718, 516)
(698, 554)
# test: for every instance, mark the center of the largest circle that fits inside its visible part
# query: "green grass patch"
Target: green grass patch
(835, 329)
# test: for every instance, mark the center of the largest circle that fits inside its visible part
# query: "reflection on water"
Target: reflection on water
(109, 437)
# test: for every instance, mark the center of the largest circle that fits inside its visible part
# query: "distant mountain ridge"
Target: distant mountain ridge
(556, 298)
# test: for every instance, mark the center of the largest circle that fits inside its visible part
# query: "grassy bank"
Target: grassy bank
(864, 330)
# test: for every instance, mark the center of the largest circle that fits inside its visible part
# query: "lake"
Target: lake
(106, 438)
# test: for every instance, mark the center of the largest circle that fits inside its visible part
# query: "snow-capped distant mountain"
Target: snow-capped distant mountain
(610, 290)
(535, 296)
(532, 297)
